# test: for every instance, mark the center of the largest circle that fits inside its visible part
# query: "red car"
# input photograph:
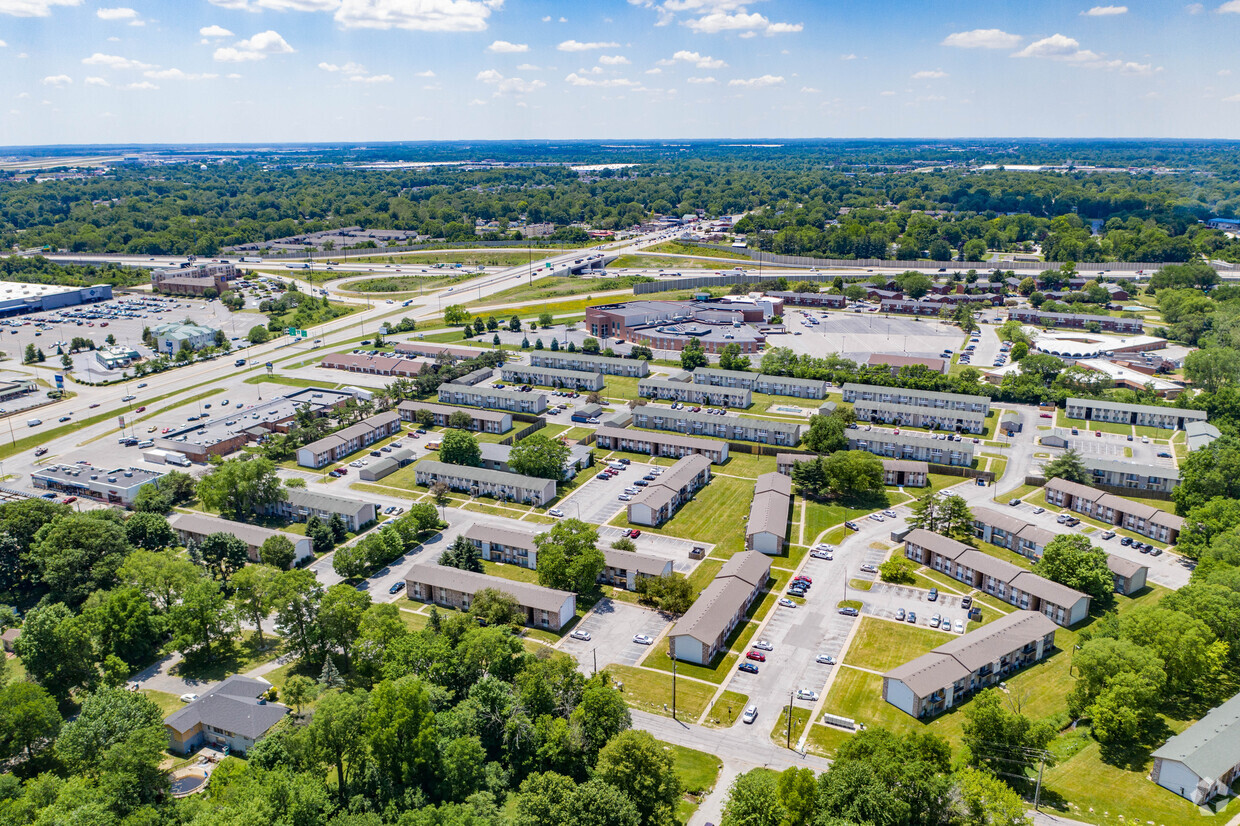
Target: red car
(756, 655)
(140, 409)
(69, 500)
(1046, 415)
(803, 578)
(633, 534)
(343, 471)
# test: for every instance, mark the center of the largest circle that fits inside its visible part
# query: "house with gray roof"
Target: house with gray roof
(1202, 761)
(953, 672)
(738, 428)
(703, 630)
(455, 588)
(918, 447)
(1143, 415)
(552, 377)
(624, 568)
(659, 500)
(1011, 532)
(476, 481)
(195, 527)
(654, 387)
(1200, 434)
(303, 503)
(659, 444)
(233, 714)
(564, 360)
(766, 530)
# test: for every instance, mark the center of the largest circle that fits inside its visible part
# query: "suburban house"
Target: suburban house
(703, 630)
(917, 447)
(624, 568)
(1011, 532)
(978, 569)
(232, 715)
(1142, 415)
(349, 439)
(739, 428)
(1146, 520)
(586, 363)
(680, 391)
(476, 481)
(195, 527)
(1202, 761)
(484, 421)
(454, 588)
(660, 444)
(301, 504)
(766, 530)
(672, 489)
(951, 673)
(552, 377)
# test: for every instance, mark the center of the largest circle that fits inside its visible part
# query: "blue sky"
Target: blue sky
(79, 71)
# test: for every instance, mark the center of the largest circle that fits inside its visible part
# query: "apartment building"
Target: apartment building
(1127, 575)
(740, 428)
(507, 545)
(195, 527)
(905, 473)
(495, 457)
(509, 487)
(349, 440)
(1150, 522)
(766, 530)
(1203, 761)
(953, 672)
(785, 461)
(761, 383)
(454, 588)
(483, 421)
(658, 388)
(1077, 321)
(993, 576)
(624, 568)
(1121, 474)
(702, 631)
(659, 444)
(552, 377)
(664, 496)
(610, 365)
(829, 301)
(906, 415)
(1011, 532)
(303, 503)
(1142, 415)
(912, 446)
(931, 399)
(495, 398)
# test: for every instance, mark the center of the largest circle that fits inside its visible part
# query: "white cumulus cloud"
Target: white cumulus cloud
(214, 31)
(57, 80)
(699, 60)
(504, 47)
(116, 14)
(1230, 7)
(983, 39)
(1057, 47)
(348, 68)
(141, 86)
(757, 82)
(578, 46)
(278, 5)
(700, 80)
(1105, 11)
(96, 81)
(576, 79)
(257, 47)
(427, 73)
(33, 8)
(177, 74)
(614, 60)
(112, 61)
(929, 74)
(505, 85)
(371, 79)
(417, 15)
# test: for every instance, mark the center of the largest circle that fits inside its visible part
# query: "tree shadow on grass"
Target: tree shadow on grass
(1132, 755)
(225, 659)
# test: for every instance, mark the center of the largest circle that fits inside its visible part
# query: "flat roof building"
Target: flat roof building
(18, 298)
(386, 466)
(454, 588)
(113, 487)
(909, 397)
(505, 398)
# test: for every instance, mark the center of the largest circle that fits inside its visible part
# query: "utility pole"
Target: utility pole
(595, 660)
(1037, 793)
(673, 687)
(789, 743)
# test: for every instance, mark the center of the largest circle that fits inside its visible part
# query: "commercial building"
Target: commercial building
(761, 383)
(232, 715)
(195, 527)
(624, 568)
(911, 446)
(552, 377)
(680, 391)
(703, 630)
(1142, 415)
(1146, 520)
(951, 673)
(610, 365)
(484, 421)
(993, 576)
(302, 503)
(171, 337)
(17, 298)
(896, 362)
(666, 494)
(495, 398)
(113, 487)
(194, 279)
(17, 388)
(740, 428)
(116, 356)
(1202, 761)
(671, 325)
(477, 481)
(231, 430)
(1077, 321)
(453, 588)
(1011, 532)
(349, 440)
(386, 466)
(495, 457)
(659, 444)
(766, 530)
(905, 473)
(1131, 475)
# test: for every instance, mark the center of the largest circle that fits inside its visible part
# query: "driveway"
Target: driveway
(611, 625)
(595, 501)
(882, 600)
(1113, 446)
(654, 544)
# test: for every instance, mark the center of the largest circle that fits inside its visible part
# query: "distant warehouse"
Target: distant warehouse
(17, 298)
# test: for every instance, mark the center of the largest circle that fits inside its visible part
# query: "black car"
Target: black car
(622, 461)
(1127, 540)
(397, 587)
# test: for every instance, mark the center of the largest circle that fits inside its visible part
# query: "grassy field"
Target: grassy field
(399, 283)
(824, 740)
(819, 516)
(513, 572)
(652, 691)
(716, 514)
(787, 731)
(167, 703)
(726, 709)
(243, 656)
(749, 465)
(880, 645)
(677, 248)
(1061, 418)
(555, 287)
(698, 772)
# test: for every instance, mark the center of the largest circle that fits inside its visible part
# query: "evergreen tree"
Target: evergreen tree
(330, 677)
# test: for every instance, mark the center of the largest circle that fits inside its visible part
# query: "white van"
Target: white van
(145, 443)
(33, 422)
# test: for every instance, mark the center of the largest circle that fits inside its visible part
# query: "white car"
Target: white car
(580, 635)
(821, 555)
(959, 627)
(750, 715)
(823, 546)
(763, 645)
(1039, 510)
(787, 603)
(643, 639)
(624, 497)
(555, 512)
(807, 694)
(826, 659)
(188, 698)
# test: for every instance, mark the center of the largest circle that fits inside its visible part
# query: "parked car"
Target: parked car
(748, 668)
(397, 587)
(763, 645)
(912, 617)
(869, 569)
(633, 534)
(935, 620)
(756, 655)
(825, 659)
(851, 526)
(821, 554)
(787, 603)
(850, 612)
(750, 714)
(580, 635)
(555, 512)
(807, 694)
(959, 627)
(643, 639)
(900, 615)
(933, 595)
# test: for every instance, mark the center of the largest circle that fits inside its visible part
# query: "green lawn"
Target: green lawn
(651, 691)
(780, 728)
(880, 645)
(167, 703)
(1106, 427)
(716, 514)
(726, 709)
(749, 465)
(1004, 554)
(514, 572)
(621, 387)
(697, 769)
(242, 656)
(1019, 493)
(819, 516)
(705, 571)
(824, 740)
(719, 668)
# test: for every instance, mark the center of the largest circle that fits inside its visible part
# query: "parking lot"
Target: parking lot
(1114, 446)
(611, 626)
(885, 600)
(596, 501)
(664, 547)
(857, 335)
